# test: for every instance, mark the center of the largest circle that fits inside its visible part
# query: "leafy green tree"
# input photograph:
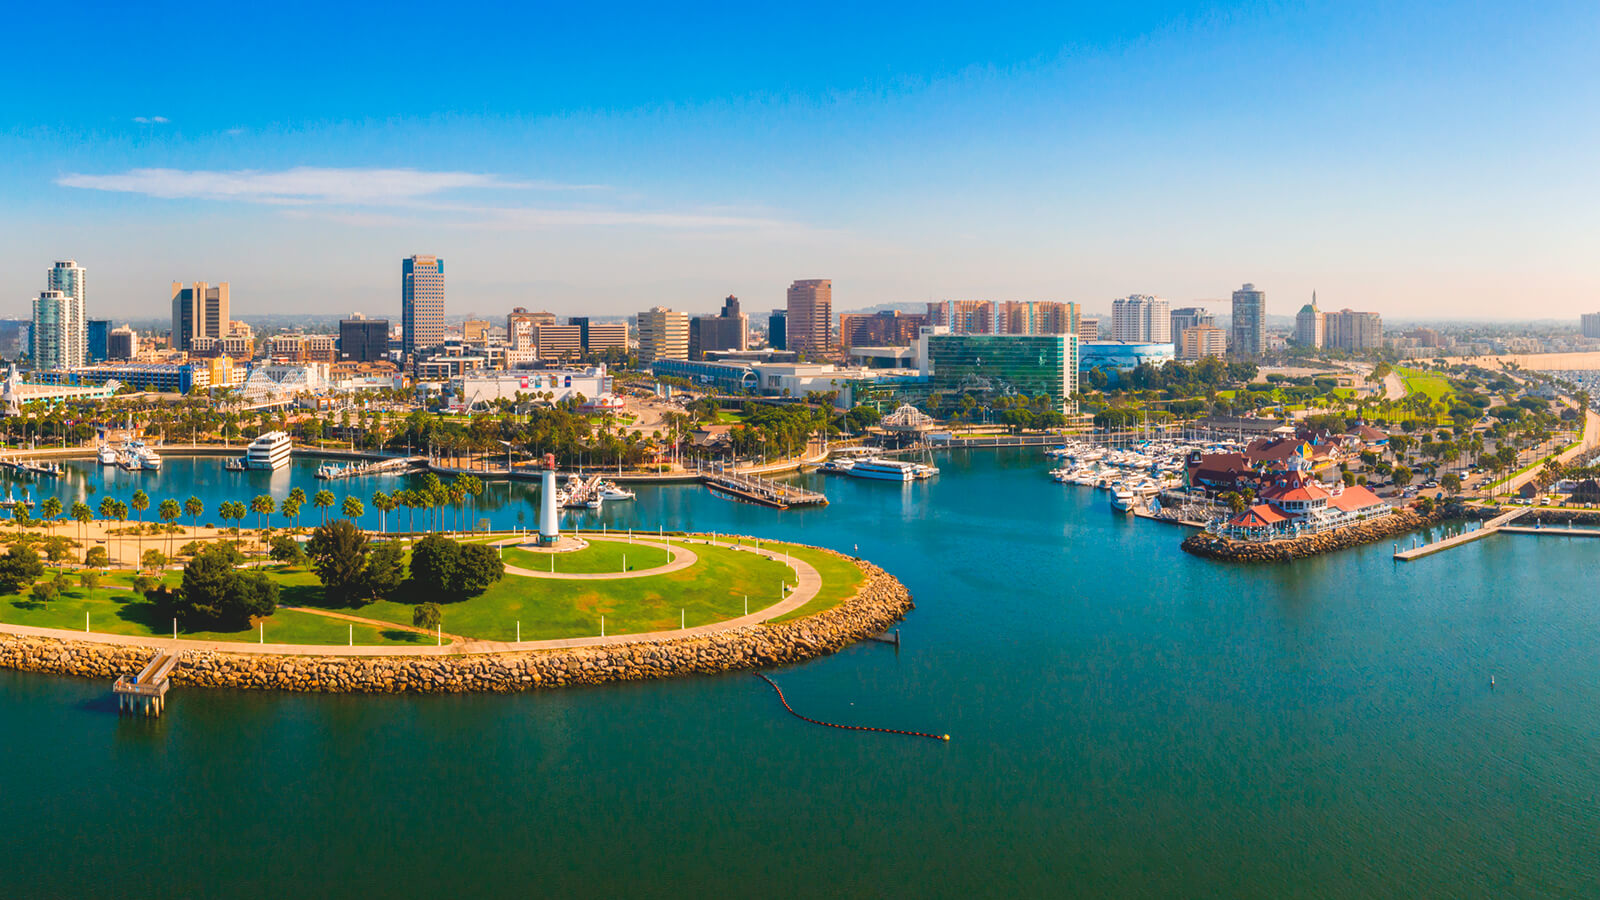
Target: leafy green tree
(477, 567)
(1401, 476)
(433, 564)
(19, 567)
(97, 558)
(1451, 482)
(427, 615)
(216, 594)
(338, 551)
(288, 551)
(57, 548)
(44, 592)
(89, 580)
(154, 559)
(385, 571)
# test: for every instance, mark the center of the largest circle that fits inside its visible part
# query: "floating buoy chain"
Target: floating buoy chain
(785, 702)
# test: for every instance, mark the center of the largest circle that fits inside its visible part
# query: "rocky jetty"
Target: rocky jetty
(880, 602)
(1400, 521)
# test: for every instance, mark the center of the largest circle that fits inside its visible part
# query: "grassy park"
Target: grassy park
(711, 590)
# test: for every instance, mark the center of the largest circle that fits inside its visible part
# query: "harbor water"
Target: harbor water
(1126, 721)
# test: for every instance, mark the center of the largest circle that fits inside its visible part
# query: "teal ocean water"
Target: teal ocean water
(1127, 721)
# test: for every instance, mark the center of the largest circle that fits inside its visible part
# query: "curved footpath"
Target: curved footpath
(682, 558)
(741, 643)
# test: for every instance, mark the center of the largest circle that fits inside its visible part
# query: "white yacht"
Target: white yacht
(269, 451)
(884, 469)
(1122, 499)
(108, 456)
(149, 459)
(136, 455)
(612, 491)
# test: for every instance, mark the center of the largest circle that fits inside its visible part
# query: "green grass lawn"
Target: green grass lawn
(599, 556)
(840, 579)
(1417, 381)
(113, 611)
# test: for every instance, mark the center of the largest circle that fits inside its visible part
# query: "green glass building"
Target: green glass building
(997, 365)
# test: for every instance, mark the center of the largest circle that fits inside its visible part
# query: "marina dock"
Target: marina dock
(1493, 526)
(1569, 531)
(764, 491)
(146, 692)
(398, 466)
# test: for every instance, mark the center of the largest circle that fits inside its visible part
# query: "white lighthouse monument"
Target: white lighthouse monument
(549, 525)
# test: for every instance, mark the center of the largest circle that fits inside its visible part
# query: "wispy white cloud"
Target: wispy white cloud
(151, 120)
(407, 197)
(301, 185)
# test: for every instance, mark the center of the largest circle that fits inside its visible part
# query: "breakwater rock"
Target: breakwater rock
(1400, 521)
(880, 602)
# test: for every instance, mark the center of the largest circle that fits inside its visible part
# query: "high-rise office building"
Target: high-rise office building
(96, 333)
(663, 334)
(421, 304)
(475, 331)
(520, 325)
(1004, 364)
(598, 337)
(1591, 325)
(1249, 338)
(810, 328)
(1309, 324)
(778, 330)
(728, 330)
(122, 343)
(1188, 317)
(564, 342)
(363, 340)
(198, 311)
(967, 316)
(58, 331)
(1353, 331)
(1141, 319)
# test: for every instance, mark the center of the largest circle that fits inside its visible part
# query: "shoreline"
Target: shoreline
(1211, 546)
(879, 602)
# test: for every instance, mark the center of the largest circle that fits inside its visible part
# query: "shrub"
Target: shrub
(19, 567)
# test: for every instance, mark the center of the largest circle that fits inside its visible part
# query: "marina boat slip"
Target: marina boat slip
(270, 451)
(136, 456)
(106, 455)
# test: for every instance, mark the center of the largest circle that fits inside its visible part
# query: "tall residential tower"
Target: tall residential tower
(199, 311)
(1249, 323)
(810, 326)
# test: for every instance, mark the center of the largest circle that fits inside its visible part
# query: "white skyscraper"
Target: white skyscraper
(67, 277)
(1141, 319)
(59, 340)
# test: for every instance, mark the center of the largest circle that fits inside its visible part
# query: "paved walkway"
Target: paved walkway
(682, 558)
(807, 583)
(377, 623)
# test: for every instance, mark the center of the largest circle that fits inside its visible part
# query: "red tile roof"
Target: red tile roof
(1307, 491)
(1258, 516)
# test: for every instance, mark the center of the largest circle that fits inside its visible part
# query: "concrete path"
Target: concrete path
(376, 623)
(682, 558)
(807, 583)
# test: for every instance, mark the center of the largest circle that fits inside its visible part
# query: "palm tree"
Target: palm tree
(382, 503)
(108, 508)
(322, 501)
(120, 510)
(141, 502)
(262, 505)
(84, 515)
(194, 509)
(169, 511)
(49, 510)
(299, 498)
(291, 511)
(352, 508)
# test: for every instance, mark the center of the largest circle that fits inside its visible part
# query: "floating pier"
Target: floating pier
(1493, 526)
(398, 466)
(146, 692)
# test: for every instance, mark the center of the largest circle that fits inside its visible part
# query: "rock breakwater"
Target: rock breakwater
(880, 602)
(1400, 521)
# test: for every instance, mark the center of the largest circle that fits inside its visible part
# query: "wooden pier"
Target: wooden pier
(146, 692)
(1569, 531)
(764, 491)
(1493, 526)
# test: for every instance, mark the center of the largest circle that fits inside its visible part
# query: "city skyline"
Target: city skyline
(1065, 154)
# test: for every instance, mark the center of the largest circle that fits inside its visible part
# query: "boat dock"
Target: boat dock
(582, 494)
(146, 692)
(398, 466)
(1569, 531)
(764, 491)
(1492, 526)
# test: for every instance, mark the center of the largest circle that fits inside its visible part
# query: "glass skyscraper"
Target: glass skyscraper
(421, 304)
(995, 365)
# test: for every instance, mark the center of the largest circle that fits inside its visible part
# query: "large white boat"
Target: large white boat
(612, 491)
(1122, 499)
(108, 456)
(269, 451)
(135, 456)
(884, 469)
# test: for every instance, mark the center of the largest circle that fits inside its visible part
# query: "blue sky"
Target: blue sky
(1417, 159)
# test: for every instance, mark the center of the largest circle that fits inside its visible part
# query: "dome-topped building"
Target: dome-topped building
(1308, 324)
